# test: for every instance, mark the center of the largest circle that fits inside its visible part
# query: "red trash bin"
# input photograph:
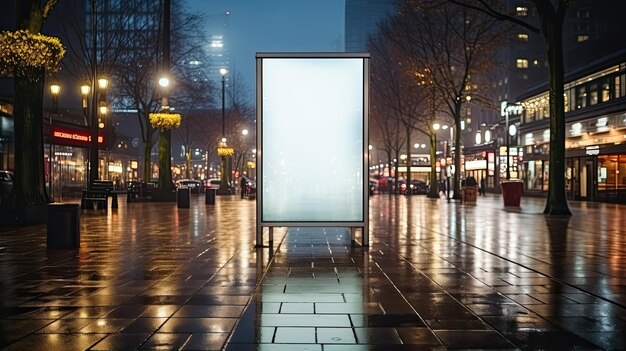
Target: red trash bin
(511, 192)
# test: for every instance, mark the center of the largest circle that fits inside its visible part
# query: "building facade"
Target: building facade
(595, 110)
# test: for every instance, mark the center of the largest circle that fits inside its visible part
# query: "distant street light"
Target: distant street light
(55, 89)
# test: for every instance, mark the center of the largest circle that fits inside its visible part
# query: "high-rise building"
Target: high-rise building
(362, 18)
(217, 29)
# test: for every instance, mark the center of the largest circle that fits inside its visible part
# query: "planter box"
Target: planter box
(512, 192)
(468, 194)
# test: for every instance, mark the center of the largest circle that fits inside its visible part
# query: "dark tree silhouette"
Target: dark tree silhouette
(552, 16)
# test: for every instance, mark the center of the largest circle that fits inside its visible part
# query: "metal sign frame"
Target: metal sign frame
(353, 225)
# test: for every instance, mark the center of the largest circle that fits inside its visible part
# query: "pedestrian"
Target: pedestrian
(483, 186)
(243, 185)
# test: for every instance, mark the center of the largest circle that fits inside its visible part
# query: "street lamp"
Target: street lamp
(96, 122)
(223, 150)
(223, 72)
(55, 89)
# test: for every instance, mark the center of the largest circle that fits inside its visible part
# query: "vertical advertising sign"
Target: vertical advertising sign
(312, 140)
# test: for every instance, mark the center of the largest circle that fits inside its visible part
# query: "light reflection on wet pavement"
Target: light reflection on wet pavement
(438, 275)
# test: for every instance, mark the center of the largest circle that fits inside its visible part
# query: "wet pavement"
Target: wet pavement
(437, 275)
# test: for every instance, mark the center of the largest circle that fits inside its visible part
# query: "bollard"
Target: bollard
(182, 197)
(63, 226)
(209, 196)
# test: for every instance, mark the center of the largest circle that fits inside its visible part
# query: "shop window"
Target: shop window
(534, 174)
(582, 37)
(581, 97)
(522, 36)
(606, 92)
(593, 94)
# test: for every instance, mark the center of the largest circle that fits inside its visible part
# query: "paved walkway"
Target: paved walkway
(438, 275)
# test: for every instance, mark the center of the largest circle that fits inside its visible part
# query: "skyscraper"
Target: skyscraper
(217, 29)
(362, 18)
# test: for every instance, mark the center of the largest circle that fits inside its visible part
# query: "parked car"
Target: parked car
(418, 187)
(213, 184)
(193, 184)
(6, 185)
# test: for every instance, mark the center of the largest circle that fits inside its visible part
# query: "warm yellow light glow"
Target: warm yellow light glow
(436, 126)
(26, 54)
(165, 121)
(103, 83)
(164, 82)
(244, 132)
(103, 110)
(85, 89)
(55, 88)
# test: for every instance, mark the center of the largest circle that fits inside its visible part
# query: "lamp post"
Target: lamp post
(55, 89)
(98, 111)
(223, 150)
(504, 111)
(223, 72)
(447, 155)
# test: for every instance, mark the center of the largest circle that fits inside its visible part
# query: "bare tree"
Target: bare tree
(400, 90)
(241, 116)
(552, 16)
(197, 95)
(455, 45)
(387, 101)
(29, 184)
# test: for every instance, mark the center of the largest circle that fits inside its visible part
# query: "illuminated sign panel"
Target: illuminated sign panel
(312, 139)
(74, 137)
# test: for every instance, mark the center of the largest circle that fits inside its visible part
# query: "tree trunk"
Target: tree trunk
(556, 204)
(434, 186)
(408, 160)
(165, 162)
(188, 170)
(457, 151)
(147, 158)
(29, 184)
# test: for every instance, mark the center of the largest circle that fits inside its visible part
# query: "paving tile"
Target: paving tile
(473, 339)
(336, 336)
(205, 341)
(130, 341)
(290, 335)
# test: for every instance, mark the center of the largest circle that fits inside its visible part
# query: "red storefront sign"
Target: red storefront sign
(74, 137)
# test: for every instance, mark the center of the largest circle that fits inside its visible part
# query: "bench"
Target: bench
(98, 194)
(139, 190)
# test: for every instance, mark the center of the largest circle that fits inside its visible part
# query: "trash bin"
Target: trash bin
(209, 196)
(511, 192)
(468, 194)
(182, 197)
(63, 226)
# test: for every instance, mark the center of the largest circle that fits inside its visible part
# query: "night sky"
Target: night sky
(277, 25)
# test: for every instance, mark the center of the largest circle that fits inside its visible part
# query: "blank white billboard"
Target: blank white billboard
(312, 139)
